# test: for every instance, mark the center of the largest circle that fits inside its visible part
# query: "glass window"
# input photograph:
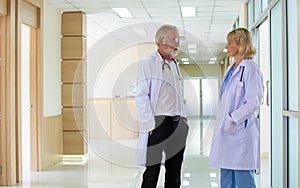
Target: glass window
(250, 13)
(264, 4)
(292, 89)
(293, 152)
(210, 96)
(257, 9)
(292, 55)
(276, 95)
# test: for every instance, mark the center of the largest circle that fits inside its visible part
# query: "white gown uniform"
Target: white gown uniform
(148, 86)
(235, 142)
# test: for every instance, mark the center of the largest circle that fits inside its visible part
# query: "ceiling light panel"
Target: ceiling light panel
(123, 12)
(188, 11)
(192, 46)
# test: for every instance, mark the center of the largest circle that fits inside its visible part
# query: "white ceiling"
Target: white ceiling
(214, 19)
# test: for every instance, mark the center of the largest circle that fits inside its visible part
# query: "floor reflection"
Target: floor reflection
(110, 165)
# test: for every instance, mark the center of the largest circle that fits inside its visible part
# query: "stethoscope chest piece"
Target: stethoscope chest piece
(240, 84)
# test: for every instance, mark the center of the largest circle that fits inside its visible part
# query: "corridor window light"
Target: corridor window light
(192, 51)
(214, 184)
(123, 12)
(212, 60)
(188, 11)
(213, 175)
(225, 50)
(192, 46)
(185, 183)
(184, 59)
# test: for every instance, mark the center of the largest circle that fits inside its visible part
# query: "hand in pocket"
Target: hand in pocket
(230, 128)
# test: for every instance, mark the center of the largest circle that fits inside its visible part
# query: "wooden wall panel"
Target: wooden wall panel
(74, 119)
(74, 143)
(73, 48)
(73, 95)
(73, 24)
(73, 71)
(73, 66)
(52, 146)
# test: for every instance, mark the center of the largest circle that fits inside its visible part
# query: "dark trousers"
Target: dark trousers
(169, 136)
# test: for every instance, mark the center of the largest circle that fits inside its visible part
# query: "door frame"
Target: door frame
(33, 20)
(2, 99)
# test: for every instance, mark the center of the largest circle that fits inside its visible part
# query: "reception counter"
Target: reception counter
(112, 118)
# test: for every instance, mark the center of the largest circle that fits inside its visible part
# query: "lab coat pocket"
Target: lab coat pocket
(229, 127)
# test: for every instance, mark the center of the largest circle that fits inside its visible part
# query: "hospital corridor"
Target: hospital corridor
(70, 101)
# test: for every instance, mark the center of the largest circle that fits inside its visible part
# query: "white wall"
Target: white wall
(111, 73)
(52, 67)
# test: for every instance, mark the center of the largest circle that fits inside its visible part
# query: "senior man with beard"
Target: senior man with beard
(161, 109)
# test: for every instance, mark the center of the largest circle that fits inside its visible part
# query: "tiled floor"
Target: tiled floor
(110, 165)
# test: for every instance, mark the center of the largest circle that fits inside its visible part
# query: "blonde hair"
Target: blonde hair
(243, 38)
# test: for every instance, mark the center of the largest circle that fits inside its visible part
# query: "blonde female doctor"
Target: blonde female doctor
(235, 143)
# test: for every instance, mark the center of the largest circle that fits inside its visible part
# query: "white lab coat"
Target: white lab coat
(235, 142)
(147, 92)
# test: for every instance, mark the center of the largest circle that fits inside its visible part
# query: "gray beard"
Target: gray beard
(170, 52)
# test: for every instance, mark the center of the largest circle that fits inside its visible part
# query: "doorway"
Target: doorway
(29, 100)
(201, 96)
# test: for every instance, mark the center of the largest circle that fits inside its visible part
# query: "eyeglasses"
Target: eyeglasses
(175, 40)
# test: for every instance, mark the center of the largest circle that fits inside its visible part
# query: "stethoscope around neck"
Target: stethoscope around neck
(166, 64)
